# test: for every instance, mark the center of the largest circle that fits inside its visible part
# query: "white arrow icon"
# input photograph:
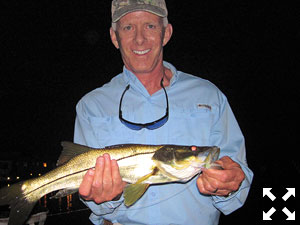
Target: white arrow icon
(267, 216)
(267, 191)
(290, 192)
(291, 216)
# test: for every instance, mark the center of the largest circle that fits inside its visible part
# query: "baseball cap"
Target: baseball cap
(120, 8)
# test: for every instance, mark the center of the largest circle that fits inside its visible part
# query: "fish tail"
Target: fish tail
(20, 204)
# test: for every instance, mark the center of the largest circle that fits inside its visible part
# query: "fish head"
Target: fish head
(208, 155)
(185, 162)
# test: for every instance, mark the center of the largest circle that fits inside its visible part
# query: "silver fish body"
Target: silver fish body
(140, 165)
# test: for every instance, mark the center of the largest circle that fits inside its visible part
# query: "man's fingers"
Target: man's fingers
(227, 163)
(221, 175)
(200, 185)
(210, 184)
(100, 163)
(107, 173)
(104, 182)
(86, 184)
(206, 187)
(221, 179)
(116, 177)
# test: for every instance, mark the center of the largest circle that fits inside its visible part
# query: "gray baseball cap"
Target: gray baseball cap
(120, 8)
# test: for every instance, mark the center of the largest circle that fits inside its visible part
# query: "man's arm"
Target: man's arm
(98, 181)
(236, 177)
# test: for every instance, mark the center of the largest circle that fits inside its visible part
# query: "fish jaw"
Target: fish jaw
(210, 157)
(183, 169)
(177, 174)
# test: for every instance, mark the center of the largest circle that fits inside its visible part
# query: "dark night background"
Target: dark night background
(54, 52)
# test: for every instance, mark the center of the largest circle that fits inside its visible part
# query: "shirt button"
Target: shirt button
(153, 194)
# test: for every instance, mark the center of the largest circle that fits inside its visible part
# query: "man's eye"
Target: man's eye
(127, 27)
(151, 26)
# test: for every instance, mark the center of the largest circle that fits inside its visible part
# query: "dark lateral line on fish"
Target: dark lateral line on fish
(58, 179)
(83, 171)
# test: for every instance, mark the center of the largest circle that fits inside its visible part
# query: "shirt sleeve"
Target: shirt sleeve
(227, 135)
(100, 210)
(83, 134)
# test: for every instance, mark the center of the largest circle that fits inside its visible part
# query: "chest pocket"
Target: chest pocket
(191, 126)
(184, 127)
(108, 131)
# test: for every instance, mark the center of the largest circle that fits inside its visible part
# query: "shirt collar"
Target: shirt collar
(131, 79)
(174, 72)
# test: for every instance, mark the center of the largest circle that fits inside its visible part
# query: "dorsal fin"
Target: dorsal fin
(70, 150)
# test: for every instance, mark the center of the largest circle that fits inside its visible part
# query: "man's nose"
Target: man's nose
(140, 36)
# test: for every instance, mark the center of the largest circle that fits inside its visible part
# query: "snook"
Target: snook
(140, 165)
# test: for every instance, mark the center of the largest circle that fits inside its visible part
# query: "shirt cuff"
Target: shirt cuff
(228, 204)
(103, 208)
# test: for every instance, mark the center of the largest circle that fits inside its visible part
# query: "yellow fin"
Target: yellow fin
(143, 178)
(134, 191)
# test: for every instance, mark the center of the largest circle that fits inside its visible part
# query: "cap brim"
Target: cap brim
(132, 8)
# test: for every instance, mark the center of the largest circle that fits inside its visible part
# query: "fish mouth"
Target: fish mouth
(196, 165)
(141, 52)
(212, 154)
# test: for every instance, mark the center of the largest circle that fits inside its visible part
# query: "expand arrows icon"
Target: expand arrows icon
(290, 215)
(267, 215)
(267, 192)
(290, 192)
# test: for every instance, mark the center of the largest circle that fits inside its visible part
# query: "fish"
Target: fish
(139, 165)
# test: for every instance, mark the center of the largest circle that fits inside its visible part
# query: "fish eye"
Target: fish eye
(193, 148)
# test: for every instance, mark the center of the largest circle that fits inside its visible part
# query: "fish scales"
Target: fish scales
(140, 165)
(84, 162)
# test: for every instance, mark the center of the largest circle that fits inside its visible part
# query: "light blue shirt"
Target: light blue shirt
(199, 114)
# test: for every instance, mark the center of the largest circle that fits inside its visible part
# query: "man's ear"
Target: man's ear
(113, 37)
(168, 34)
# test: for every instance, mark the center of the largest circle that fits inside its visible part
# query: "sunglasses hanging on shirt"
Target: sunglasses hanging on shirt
(152, 125)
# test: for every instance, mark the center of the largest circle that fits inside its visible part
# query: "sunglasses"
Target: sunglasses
(152, 125)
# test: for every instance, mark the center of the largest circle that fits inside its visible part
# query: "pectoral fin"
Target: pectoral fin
(64, 192)
(134, 191)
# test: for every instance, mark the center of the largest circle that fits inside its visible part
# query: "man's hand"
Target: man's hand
(104, 182)
(221, 182)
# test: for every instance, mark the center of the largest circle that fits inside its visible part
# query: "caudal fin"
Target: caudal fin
(20, 205)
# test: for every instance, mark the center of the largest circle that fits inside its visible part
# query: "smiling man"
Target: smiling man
(140, 36)
(151, 102)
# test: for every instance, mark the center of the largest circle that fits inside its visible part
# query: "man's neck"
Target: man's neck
(151, 81)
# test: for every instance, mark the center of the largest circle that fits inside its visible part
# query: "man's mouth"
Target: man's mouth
(141, 52)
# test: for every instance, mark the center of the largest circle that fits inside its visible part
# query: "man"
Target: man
(197, 114)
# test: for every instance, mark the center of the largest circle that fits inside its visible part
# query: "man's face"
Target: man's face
(141, 36)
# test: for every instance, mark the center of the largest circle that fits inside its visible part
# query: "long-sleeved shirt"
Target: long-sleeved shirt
(199, 114)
